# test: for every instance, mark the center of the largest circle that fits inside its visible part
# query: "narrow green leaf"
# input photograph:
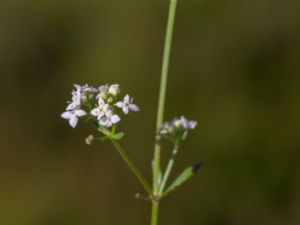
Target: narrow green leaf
(184, 136)
(118, 136)
(183, 177)
(102, 139)
(103, 130)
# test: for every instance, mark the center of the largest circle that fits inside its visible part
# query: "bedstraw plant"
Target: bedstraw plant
(105, 108)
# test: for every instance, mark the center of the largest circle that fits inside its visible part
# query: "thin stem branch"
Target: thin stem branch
(132, 166)
(168, 169)
(160, 110)
(162, 93)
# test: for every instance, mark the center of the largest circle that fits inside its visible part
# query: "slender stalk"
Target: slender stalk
(131, 165)
(162, 93)
(168, 169)
(154, 217)
(160, 110)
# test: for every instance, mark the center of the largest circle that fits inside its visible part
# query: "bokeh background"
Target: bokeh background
(234, 68)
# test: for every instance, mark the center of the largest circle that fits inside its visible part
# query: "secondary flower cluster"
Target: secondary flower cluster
(177, 129)
(100, 103)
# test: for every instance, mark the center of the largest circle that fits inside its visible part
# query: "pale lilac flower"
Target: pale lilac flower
(127, 105)
(101, 110)
(183, 123)
(167, 128)
(177, 126)
(73, 115)
(188, 125)
(85, 88)
(79, 94)
(109, 119)
(103, 88)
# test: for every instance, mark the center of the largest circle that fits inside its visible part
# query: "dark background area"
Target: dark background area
(234, 68)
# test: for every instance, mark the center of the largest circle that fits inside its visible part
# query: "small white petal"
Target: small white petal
(101, 101)
(125, 109)
(106, 108)
(119, 104)
(103, 121)
(178, 123)
(66, 115)
(100, 115)
(95, 112)
(193, 124)
(103, 88)
(185, 122)
(108, 124)
(163, 132)
(115, 119)
(77, 86)
(91, 89)
(126, 98)
(72, 106)
(134, 107)
(80, 112)
(108, 113)
(73, 121)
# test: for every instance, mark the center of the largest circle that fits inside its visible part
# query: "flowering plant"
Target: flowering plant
(105, 107)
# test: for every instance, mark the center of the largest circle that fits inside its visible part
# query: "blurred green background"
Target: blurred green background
(234, 68)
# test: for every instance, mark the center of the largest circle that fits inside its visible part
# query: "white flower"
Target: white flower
(103, 88)
(104, 114)
(188, 125)
(183, 123)
(177, 127)
(101, 110)
(109, 119)
(127, 105)
(85, 88)
(76, 100)
(114, 89)
(166, 128)
(73, 115)
(79, 94)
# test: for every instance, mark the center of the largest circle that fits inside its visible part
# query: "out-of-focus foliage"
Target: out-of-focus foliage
(234, 68)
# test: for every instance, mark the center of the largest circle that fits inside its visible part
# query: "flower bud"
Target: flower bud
(178, 124)
(114, 89)
(103, 95)
(89, 140)
(110, 100)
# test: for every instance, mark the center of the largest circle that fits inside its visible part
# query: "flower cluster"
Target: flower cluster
(177, 129)
(102, 104)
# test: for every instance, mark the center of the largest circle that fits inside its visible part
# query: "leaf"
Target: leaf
(102, 139)
(183, 177)
(103, 130)
(184, 136)
(118, 136)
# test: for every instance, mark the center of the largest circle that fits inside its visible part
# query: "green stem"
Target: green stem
(162, 93)
(131, 165)
(160, 110)
(168, 169)
(154, 217)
